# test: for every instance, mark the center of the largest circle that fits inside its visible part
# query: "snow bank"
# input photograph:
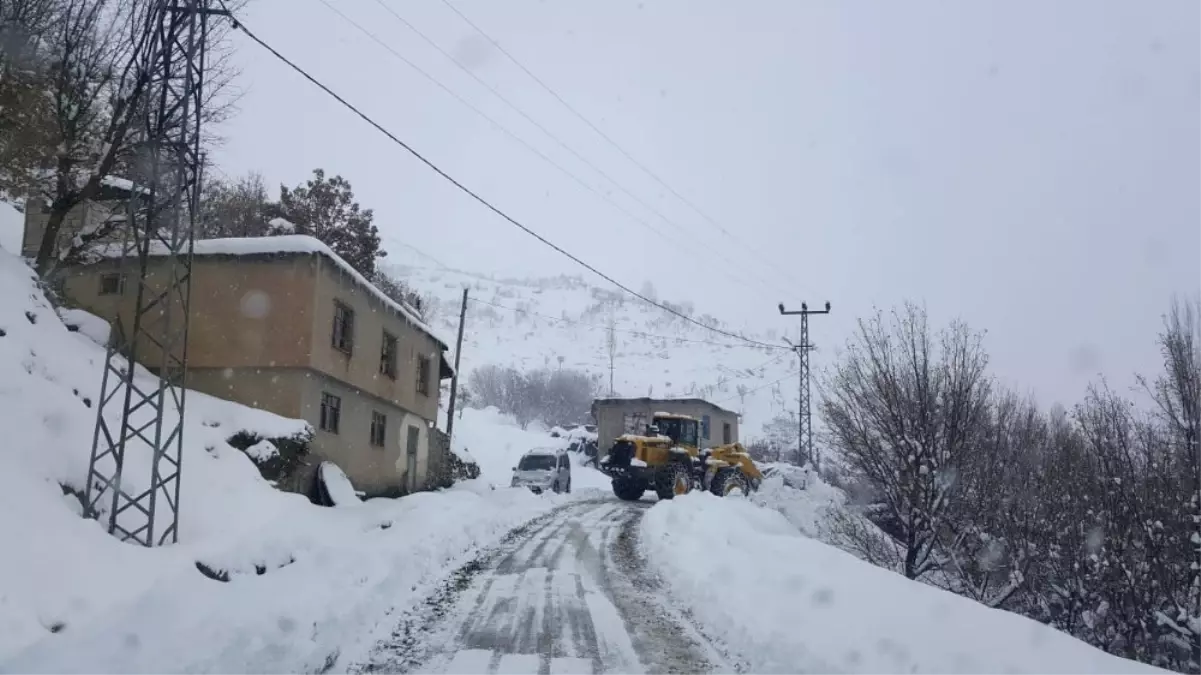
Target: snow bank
(261, 581)
(791, 604)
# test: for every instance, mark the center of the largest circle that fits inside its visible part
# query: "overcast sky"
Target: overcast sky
(1033, 167)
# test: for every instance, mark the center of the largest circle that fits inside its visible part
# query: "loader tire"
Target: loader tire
(675, 479)
(628, 489)
(729, 480)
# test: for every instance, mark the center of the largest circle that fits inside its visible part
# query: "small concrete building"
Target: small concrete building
(285, 325)
(617, 416)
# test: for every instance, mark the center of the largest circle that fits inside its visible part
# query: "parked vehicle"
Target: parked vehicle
(543, 469)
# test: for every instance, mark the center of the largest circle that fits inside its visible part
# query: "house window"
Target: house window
(112, 283)
(705, 427)
(331, 412)
(387, 356)
(423, 374)
(727, 433)
(343, 335)
(379, 422)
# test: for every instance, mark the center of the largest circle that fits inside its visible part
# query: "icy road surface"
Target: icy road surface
(567, 593)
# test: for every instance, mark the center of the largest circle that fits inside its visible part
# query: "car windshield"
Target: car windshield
(536, 463)
(680, 431)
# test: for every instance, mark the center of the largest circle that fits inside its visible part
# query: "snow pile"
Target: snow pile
(12, 228)
(89, 325)
(791, 604)
(261, 580)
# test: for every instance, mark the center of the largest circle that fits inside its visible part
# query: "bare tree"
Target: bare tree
(87, 68)
(905, 413)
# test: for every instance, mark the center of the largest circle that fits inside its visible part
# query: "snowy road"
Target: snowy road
(567, 593)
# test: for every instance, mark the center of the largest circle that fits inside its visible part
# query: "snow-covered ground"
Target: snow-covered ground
(306, 584)
(788, 603)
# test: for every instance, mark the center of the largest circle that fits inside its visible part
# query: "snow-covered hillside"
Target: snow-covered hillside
(305, 584)
(548, 322)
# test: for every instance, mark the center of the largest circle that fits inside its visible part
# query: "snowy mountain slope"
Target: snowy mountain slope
(305, 583)
(553, 321)
(788, 603)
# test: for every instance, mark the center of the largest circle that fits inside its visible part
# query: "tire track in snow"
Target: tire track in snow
(566, 594)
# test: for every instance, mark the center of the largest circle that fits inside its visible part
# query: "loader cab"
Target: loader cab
(681, 429)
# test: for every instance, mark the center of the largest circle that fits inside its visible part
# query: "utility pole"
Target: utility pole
(147, 414)
(804, 414)
(454, 381)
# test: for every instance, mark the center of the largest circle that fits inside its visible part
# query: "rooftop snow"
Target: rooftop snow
(291, 244)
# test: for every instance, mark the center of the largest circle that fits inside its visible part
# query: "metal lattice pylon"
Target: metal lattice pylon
(134, 473)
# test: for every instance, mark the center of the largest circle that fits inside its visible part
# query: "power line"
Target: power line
(541, 155)
(576, 322)
(751, 391)
(239, 25)
(610, 141)
(495, 92)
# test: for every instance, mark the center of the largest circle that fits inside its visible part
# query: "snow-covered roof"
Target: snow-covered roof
(545, 451)
(674, 416)
(647, 401)
(291, 244)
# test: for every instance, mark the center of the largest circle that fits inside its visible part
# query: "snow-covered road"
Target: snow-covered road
(567, 593)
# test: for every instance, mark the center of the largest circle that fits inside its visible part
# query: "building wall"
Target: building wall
(610, 419)
(375, 470)
(362, 367)
(91, 213)
(277, 390)
(246, 312)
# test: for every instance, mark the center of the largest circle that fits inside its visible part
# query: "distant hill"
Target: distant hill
(563, 322)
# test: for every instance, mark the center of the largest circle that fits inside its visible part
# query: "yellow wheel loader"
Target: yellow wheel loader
(668, 460)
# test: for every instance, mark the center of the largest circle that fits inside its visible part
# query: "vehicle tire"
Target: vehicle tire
(674, 479)
(628, 489)
(729, 481)
(555, 487)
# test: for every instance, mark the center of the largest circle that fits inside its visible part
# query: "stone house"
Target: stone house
(285, 325)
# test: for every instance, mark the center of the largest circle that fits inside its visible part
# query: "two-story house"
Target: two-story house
(284, 324)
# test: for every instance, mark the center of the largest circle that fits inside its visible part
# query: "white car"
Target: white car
(543, 469)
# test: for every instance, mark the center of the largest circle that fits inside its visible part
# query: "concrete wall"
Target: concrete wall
(362, 367)
(90, 213)
(375, 470)
(610, 419)
(246, 311)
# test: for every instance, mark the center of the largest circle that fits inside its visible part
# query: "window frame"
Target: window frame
(424, 374)
(108, 276)
(343, 327)
(727, 433)
(330, 420)
(706, 423)
(379, 429)
(389, 360)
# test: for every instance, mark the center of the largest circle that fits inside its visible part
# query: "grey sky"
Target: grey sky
(1032, 167)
